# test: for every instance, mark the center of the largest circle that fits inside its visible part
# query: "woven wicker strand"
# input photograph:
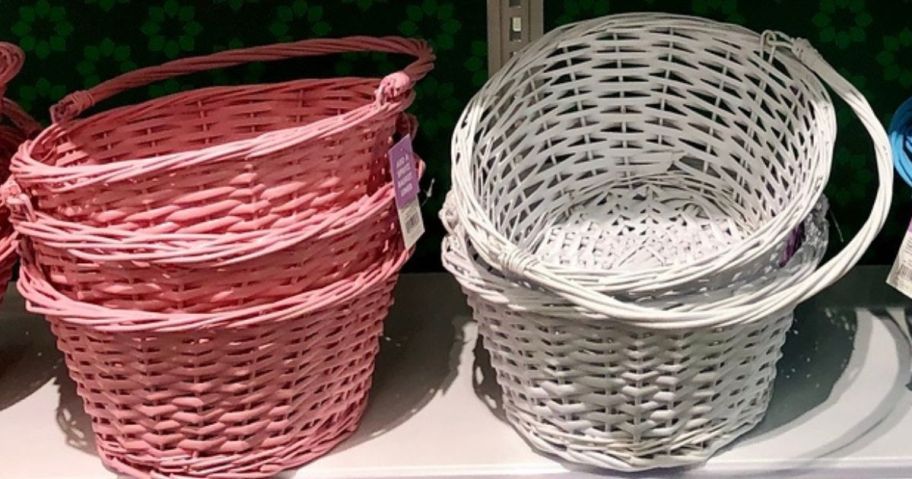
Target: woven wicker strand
(510, 190)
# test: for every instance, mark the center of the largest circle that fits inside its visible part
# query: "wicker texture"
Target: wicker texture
(15, 127)
(519, 178)
(217, 264)
(649, 144)
(222, 395)
(272, 188)
(628, 195)
(603, 130)
(310, 253)
(624, 397)
(221, 159)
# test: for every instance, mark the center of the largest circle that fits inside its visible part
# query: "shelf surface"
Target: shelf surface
(842, 405)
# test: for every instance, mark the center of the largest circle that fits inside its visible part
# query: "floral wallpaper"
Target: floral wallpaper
(73, 44)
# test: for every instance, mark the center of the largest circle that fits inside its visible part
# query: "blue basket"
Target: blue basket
(901, 140)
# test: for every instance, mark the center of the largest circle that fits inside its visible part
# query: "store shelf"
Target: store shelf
(842, 407)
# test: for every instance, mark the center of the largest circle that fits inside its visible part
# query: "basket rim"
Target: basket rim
(43, 298)
(250, 148)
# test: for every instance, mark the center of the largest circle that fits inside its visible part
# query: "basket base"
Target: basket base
(605, 458)
(652, 225)
(265, 464)
(624, 398)
(228, 403)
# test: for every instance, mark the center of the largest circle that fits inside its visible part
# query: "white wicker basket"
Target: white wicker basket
(642, 153)
(628, 397)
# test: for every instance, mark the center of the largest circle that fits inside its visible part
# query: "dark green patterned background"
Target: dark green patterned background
(73, 44)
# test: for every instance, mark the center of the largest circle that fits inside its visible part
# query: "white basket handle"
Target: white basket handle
(521, 264)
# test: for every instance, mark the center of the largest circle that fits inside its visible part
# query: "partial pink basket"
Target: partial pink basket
(15, 127)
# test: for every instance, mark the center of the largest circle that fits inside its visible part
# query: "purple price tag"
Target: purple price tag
(405, 175)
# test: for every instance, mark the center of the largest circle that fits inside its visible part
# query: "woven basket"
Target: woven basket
(217, 198)
(123, 269)
(221, 159)
(642, 153)
(901, 141)
(15, 127)
(239, 394)
(217, 264)
(625, 397)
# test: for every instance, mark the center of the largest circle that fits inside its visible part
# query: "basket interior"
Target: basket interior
(204, 118)
(649, 146)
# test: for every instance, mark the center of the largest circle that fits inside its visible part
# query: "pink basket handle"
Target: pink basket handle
(19, 118)
(391, 86)
(11, 60)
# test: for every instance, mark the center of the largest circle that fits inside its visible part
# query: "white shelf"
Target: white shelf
(835, 413)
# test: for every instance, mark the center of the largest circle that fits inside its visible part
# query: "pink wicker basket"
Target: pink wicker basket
(211, 272)
(240, 394)
(217, 264)
(15, 127)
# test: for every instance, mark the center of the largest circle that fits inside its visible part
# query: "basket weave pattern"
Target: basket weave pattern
(648, 146)
(626, 397)
(637, 400)
(217, 264)
(227, 402)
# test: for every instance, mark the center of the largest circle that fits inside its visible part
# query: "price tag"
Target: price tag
(900, 276)
(405, 182)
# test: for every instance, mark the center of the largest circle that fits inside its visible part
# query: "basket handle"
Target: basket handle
(391, 86)
(19, 118)
(523, 265)
(11, 60)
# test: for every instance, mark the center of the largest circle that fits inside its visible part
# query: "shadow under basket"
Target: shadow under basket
(234, 400)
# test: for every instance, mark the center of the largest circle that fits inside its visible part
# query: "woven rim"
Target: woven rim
(44, 299)
(497, 250)
(92, 243)
(394, 94)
